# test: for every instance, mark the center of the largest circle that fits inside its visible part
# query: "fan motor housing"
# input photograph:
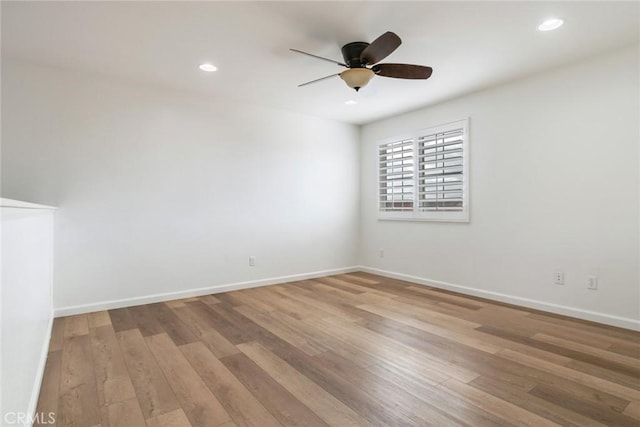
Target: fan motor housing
(351, 53)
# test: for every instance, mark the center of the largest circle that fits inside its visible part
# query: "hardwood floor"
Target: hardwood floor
(353, 349)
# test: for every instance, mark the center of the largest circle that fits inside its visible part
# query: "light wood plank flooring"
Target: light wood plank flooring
(353, 349)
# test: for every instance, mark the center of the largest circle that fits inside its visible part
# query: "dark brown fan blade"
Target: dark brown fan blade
(319, 57)
(317, 80)
(402, 71)
(380, 48)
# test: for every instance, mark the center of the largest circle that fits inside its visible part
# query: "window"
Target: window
(425, 176)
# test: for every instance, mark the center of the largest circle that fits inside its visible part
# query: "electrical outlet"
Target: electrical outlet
(252, 261)
(558, 278)
(381, 253)
(592, 282)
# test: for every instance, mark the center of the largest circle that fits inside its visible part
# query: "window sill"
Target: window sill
(421, 217)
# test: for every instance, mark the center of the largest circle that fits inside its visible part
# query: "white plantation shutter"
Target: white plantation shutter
(441, 166)
(396, 185)
(425, 177)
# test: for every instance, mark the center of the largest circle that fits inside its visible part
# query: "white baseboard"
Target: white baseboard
(579, 313)
(129, 302)
(607, 319)
(44, 352)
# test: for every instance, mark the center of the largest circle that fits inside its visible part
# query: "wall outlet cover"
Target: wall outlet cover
(558, 277)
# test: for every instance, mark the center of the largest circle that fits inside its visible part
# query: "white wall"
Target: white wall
(554, 186)
(161, 191)
(27, 311)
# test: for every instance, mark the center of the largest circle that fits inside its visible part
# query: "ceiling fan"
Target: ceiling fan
(361, 60)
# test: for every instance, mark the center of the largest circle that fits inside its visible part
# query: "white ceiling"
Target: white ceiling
(470, 45)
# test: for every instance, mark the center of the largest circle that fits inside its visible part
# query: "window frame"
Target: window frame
(416, 214)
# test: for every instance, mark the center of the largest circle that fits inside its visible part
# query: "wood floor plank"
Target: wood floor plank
(633, 410)
(325, 304)
(530, 326)
(125, 413)
(363, 391)
(152, 389)
(242, 406)
(586, 326)
(330, 292)
(631, 381)
(596, 411)
(245, 298)
(392, 285)
(97, 319)
(121, 319)
(145, 320)
(282, 302)
(448, 333)
(175, 418)
(284, 406)
(387, 353)
(500, 408)
(78, 396)
(329, 288)
(104, 416)
(202, 326)
(524, 338)
(589, 396)
(517, 343)
(195, 321)
(227, 298)
(418, 411)
(461, 412)
(280, 329)
(360, 278)
(76, 325)
(355, 287)
(341, 284)
(209, 299)
(349, 349)
(346, 388)
(595, 351)
(534, 404)
(234, 327)
(57, 334)
(580, 377)
(433, 317)
(174, 303)
(302, 306)
(199, 404)
(309, 393)
(627, 349)
(417, 361)
(112, 377)
(438, 307)
(323, 337)
(448, 298)
(456, 353)
(172, 325)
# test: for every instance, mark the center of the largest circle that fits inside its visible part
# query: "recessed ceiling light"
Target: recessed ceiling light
(351, 102)
(550, 24)
(208, 67)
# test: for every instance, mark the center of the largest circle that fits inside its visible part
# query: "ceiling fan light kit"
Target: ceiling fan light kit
(358, 55)
(356, 78)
